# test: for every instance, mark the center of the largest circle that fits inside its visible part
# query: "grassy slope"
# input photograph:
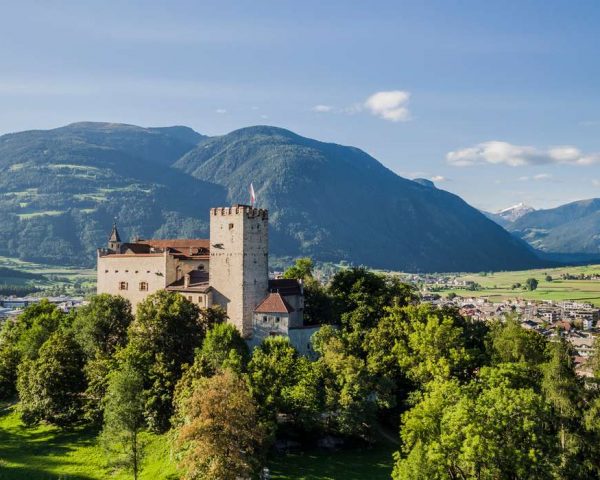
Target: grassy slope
(496, 286)
(45, 453)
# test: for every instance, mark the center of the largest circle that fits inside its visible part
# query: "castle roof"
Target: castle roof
(274, 303)
(198, 282)
(285, 286)
(191, 246)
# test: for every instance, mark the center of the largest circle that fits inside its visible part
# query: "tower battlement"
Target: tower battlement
(251, 212)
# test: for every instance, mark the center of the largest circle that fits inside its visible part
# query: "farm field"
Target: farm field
(48, 453)
(497, 285)
(50, 278)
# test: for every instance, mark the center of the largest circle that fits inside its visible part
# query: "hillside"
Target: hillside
(335, 202)
(573, 228)
(60, 189)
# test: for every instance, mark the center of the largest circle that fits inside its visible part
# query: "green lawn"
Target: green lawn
(48, 453)
(371, 464)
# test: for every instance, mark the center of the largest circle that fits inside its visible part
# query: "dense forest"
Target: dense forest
(469, 400)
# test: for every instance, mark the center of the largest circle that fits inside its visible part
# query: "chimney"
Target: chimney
(186, 280)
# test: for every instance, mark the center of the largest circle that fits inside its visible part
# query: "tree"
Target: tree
(162, 339)
(124, 419)
(509, 342)
(225, 347)
(348, 389)
(272, 369)
(50, 386)
(549, 278)
(9, 361)
(100, 327)
(564, 392)
(222, 436)
(301, 270)
(34, 326)
(476, 431)
(531, 284)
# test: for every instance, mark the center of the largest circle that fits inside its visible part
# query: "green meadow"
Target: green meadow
(49, 453)
(498, 285)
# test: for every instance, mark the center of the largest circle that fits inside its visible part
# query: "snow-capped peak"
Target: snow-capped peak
(515, 212)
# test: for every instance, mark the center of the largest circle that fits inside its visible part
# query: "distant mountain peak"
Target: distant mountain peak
(516, 211)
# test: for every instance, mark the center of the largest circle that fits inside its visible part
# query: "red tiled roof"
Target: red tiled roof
(274, 303)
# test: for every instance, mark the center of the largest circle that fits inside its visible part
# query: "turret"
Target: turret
(114, 241)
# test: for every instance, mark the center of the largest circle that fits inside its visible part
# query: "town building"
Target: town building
(230, 269)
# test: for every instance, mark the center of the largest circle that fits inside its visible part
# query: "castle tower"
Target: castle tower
(114, 241)
(239, 256)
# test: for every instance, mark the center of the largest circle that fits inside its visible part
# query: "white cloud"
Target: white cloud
(596, 182)
(503, 153)
(220, 110)
(322, 108)
(391, 105)
(537, 178)
(264, 117)
(438, 178)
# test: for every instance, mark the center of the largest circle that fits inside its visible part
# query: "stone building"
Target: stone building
(230, 269)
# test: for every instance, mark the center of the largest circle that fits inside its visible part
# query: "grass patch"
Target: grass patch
(45, 453)
(358, 464)
(50, 213)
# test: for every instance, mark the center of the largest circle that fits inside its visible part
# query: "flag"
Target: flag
(252, 195)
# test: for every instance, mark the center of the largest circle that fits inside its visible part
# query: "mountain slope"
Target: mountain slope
(60, 189)
(335, 202)
(571, 228)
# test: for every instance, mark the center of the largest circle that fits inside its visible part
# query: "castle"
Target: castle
(230, 269)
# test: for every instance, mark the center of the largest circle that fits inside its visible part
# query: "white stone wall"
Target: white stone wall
(132, 269)
(239, 256)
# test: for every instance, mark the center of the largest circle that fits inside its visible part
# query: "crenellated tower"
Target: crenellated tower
(239, 256)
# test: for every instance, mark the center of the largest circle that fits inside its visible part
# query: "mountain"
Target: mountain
(570, 229)
(60, 190)
(508, 215)
(335, 202)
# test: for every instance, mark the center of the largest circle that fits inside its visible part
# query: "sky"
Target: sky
(496, 101)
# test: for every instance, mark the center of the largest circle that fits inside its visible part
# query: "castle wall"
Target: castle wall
(133, 270)
(238, 266)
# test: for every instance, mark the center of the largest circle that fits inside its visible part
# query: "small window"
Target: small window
(200, 267)
(199, 299)
(264, 319)
(122, 285)
(136, 271)
(190, 298)
(277, 319)
(231, 226)
(116, 271)
(105, 271)
(147, 271)
(126, 271)
(143, 286)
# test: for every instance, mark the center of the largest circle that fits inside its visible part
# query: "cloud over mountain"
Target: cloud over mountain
(504, 153)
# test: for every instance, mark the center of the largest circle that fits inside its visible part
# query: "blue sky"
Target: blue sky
(498, 102)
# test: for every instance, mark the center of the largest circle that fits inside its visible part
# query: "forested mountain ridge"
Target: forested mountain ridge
(60, 190)
(331, 201)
